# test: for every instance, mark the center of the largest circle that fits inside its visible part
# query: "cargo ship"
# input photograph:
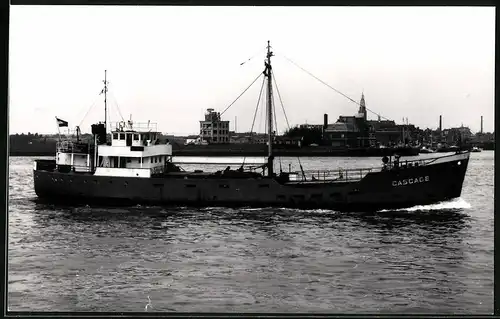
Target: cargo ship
(136, 168)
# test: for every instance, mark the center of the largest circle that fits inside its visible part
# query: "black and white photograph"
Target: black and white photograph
(251, 159)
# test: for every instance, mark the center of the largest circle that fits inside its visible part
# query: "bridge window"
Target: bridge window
(122, 136)
(136, 137)
(115, 136)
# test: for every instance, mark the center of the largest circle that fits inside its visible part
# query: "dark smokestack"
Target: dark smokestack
(481, 124)
(325, 120)
(100, 131)
(440, 123)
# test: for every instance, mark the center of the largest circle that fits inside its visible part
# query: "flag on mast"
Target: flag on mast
(61, 123)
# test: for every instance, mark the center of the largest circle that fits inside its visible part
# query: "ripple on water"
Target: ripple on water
(426, 259)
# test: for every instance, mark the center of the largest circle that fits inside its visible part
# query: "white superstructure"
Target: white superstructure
(135, 151)
(73, 154)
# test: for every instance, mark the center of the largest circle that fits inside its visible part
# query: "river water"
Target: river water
(429, 259)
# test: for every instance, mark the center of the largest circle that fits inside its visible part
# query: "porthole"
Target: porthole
(459, 163)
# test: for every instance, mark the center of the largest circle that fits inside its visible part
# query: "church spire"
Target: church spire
(362, 106)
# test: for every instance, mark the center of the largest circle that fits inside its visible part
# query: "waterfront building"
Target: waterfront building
(453, 135)
(248, 138)
(350, 131)
(214, 130)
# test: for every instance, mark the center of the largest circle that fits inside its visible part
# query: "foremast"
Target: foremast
(268, 74)
(97, 128)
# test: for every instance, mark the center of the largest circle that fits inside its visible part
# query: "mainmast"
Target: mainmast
(105, 90)
(268, 74)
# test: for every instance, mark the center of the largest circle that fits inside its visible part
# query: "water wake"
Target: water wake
(457, 203)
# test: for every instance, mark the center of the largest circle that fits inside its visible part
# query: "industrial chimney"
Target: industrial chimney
(481, 124)
(325, 121)
(440, 123)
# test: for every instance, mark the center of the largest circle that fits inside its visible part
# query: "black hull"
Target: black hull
(392, 189)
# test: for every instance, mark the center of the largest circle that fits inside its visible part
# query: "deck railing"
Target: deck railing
(72, 168)
(134, 126)
(410, 163)
(354, 174)
(339, 175)
(73, 147)
(157, 170)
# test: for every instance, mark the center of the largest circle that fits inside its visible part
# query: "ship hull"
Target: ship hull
(392, 189)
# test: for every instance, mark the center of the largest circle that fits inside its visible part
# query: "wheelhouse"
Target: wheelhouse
(135, 150)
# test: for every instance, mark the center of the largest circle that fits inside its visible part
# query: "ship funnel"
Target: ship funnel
(325, 120)
(99, 130)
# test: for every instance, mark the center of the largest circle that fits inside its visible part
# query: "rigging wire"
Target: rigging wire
(286, 118)
(260, 74)
(255, 115)
(344, 95)
(253, 56)
(261, 115)
(276, 127)
(116, 104)
(264, 115)
(88, 111)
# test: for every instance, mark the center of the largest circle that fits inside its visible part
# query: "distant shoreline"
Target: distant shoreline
(249, 150)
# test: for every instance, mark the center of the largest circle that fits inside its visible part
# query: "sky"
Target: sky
(169, 64)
